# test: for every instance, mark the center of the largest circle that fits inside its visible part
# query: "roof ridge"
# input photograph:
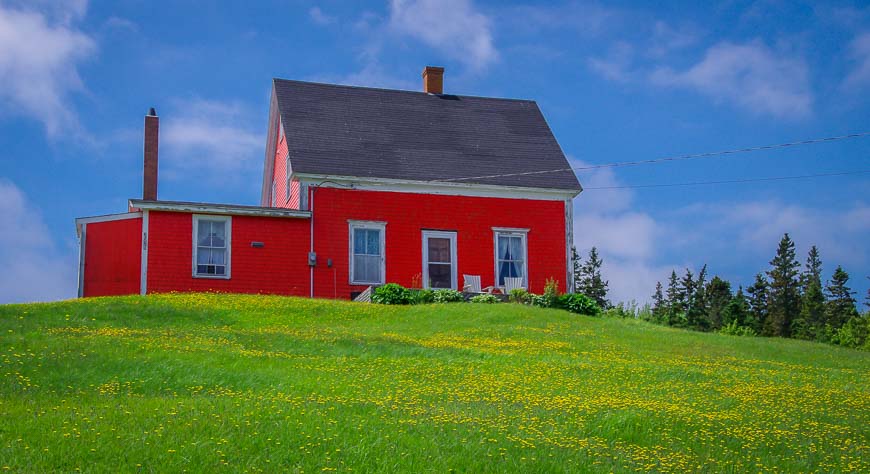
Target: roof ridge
(406, 91)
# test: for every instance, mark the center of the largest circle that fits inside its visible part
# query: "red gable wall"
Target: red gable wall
(280, 267)
(407, 215)
(112, 257)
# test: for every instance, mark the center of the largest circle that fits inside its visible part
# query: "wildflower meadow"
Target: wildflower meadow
(230, 383)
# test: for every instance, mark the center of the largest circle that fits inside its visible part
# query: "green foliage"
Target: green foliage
(551, 293)
(424, 296)
(735, 329)
(759, 295)
(391, 293)
(588, 280)
(487, 299)
(519, 295)
(580, 304)
(540, 301)
(448, 296)
(659, 308)
(737, 311)
(854, 333)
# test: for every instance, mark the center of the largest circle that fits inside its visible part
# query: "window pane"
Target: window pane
(440, 275)
(359, 241)
(218, 256)
(202, 230)
(374, 242)
(218, 234)
(516, 248)
(202, 256)
(373, 268)
(503, 252)
(439, 249)
(220, 270)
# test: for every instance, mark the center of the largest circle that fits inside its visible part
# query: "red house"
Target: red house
(361, 187)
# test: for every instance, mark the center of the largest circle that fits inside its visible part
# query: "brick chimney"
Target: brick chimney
(149, 174)
(433, 80)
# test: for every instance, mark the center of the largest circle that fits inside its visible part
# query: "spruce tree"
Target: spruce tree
(810, 321)
(867, 299)
(659, 309)
(696, 302)
(737, 310)
(784, 299)
(718, 294)
(841, 304)
(759, 293)
(577, 273)
(674, 301)
(591, 283)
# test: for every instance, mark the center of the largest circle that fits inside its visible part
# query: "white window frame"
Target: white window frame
(511, 232)
(288, 172)
(440, 234)
(367, 225)
(229, 234)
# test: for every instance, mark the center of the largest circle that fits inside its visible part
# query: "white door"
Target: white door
(439, 259)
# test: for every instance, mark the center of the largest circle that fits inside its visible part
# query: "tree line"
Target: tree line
(787, 300)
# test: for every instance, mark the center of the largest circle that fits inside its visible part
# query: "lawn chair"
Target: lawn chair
(472, 285)
(512, 284)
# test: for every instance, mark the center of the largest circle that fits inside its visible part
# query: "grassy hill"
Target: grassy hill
(242, 383)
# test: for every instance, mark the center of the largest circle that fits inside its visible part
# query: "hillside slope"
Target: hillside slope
(245, 383)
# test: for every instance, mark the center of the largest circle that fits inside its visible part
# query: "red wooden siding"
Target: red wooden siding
(112, 257)
(280, 267)
(407, 215)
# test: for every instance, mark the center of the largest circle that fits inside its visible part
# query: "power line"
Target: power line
(729, 181)
(673, 158)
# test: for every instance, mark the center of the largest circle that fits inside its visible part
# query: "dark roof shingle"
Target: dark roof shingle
(379, 133)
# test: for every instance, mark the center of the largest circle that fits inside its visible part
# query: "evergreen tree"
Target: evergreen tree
(867, 299)
(674, 300)
(737, 310)
(591, 283)
(810, 320)
(784, 298)
(696, 300)
(718, 294)
(759, 293)
(659, 309)
(577, 272)
(841, 304)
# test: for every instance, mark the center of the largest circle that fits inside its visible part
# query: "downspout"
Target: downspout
(311, 239)
(143, 273)
(82, 237)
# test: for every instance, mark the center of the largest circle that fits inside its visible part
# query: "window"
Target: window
(439, 259)
(274, 197)
(287, 173)
(367, 265)
(211, 246)
(510, 255)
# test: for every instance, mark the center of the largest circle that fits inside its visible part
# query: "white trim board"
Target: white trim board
(143, 264)
(438, 187)
(220, 209)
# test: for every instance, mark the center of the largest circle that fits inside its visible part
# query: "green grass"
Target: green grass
(244, 383)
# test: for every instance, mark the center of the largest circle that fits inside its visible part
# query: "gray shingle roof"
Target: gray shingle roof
(379, 133)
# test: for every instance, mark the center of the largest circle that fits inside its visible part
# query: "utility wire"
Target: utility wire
(672, 158)
(728, 181)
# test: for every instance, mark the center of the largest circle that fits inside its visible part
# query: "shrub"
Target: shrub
(447, 296)
(580, 304)
(422, 297)
(391, 293)
(854, 333)
(519, 295)
(551, 293)
(733, 329)
(489, 299)
(539, 300)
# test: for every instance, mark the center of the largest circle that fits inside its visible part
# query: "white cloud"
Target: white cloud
(666, 39)
(750, 75)
(211, 138)
(318, 16)
(616, 66)
(39, 56)
(859, 53)
(627, 240)
(454, 27)
(33, 269)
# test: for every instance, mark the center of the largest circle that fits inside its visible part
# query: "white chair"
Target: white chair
(512, 284)
(472, 285)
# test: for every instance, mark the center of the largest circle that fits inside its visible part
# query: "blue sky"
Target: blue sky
(616, 81)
